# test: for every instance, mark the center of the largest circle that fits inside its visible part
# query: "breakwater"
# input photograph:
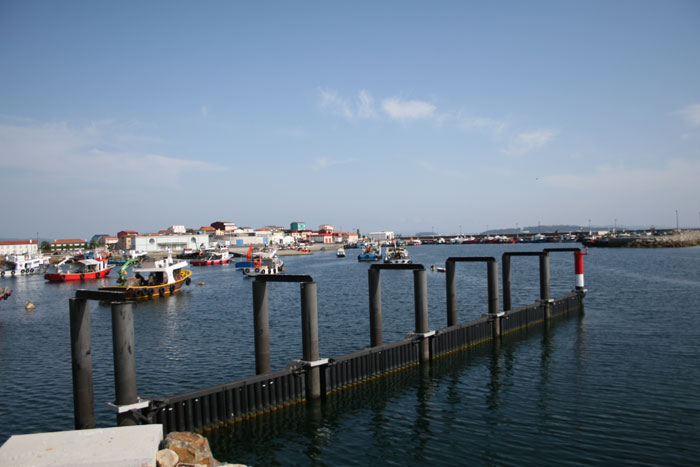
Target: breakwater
(685, 238)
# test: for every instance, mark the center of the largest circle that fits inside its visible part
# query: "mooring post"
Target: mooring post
(507, 283)
(420, 287)
(544, 276)
(492, 278)
(261, 325)
(578, 269)
(309, 337)
(81, 357)
(451, 286)
(124, 360)
(544, 285)
(375, 307)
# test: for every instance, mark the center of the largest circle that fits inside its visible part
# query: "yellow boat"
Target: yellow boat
(154, 278)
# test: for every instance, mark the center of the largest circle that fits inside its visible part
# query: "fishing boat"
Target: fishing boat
(261, 263)
(397, 255)
(153, 278)
(23, 265)
(213, 258)
(370, 252)
(340, 253)
(79, 268)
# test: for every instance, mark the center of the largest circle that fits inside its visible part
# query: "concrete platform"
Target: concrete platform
(103, 447)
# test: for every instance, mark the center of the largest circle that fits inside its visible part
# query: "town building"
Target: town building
(173, 242)
(69, 244)
(381, 237)
(297, 226)
(223, 228)
(19, 247)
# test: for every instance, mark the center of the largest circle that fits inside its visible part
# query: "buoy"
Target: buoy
(202, 283)
(29, 306)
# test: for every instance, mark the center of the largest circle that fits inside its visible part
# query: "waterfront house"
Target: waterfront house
(19, 247)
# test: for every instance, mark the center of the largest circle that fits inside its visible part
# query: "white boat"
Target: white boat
(24, 265)
(340, 253)
(261, 263)
(397, 255)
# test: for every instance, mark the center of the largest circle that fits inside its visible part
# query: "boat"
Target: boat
(261, 263)
(397, 255)
(370, 252)
(153, 278)
(23, 265)
(79, 268)
(437, 269)
(340, 253)
(213, 258)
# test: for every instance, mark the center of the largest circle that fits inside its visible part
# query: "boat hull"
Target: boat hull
(368, 258)
(260, 271)
(86, 276)
(148, 292)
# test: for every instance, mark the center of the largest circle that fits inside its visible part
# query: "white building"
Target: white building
(381, 237)
(173, 242)
(178, 229)
(19, 247)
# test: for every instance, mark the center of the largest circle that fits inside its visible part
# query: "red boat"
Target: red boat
(221, 257)
(76, 269)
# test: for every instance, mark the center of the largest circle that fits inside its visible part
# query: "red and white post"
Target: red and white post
(578, 269)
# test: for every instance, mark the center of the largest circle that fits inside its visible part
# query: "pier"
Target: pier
(313, 376)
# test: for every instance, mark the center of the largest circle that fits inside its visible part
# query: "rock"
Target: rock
(190, 448)
(167, 458)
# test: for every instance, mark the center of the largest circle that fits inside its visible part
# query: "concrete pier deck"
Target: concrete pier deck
(104, 447)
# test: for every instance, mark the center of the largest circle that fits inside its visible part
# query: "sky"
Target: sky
(406, 116)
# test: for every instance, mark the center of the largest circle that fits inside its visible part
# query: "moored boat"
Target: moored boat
(370, 252)
(397, 255)
(261, 263)
(23, 265)
(154, 278)
(340, 253)
(212, 259)
(78, 268)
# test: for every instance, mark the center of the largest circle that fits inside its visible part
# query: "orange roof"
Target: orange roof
(69, 240)
(18, 242)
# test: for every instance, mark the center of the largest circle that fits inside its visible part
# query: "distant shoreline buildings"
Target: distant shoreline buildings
(180, 238)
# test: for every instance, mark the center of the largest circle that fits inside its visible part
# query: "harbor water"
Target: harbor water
(618, 385)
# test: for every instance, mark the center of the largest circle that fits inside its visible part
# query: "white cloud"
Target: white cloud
(529, 141)
(403, 110)
(322, 163)
(62, 153)
(365, 105)
(691, 114)
(483, 124)
(337, 105)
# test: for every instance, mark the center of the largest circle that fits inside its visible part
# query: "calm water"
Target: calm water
(619, 385)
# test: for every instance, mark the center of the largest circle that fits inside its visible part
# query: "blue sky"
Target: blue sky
(396, 115)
